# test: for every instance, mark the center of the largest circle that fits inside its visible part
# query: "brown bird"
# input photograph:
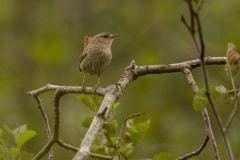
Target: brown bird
(96, 55)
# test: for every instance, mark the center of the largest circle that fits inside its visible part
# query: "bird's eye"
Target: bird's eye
(105, 36)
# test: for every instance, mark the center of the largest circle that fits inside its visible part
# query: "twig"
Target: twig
(196, 152)
(93, 155)
(191, 26)
(67, 89)
(57, 111)
(46, 123)
(118, 143)
(67, 146)
(207, 124)
(176, 67)
(233, 113)
(44, 150)
(75, 149)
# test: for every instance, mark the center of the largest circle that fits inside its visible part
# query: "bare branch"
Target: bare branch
(67, 89)
(233, 113)
(206, 120)
(67, 146)
(176, 67)
(46, 123)
(44, 150)
(111, 94)
(196, 152)
(100, 156)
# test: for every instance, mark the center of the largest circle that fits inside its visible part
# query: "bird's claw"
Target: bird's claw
(83, 88)
(95, 87)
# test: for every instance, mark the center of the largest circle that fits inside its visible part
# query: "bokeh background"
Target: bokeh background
(41, 41)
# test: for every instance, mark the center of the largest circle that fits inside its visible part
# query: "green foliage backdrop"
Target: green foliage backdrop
(41, 41)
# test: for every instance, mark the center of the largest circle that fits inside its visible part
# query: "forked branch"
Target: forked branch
(111, 94)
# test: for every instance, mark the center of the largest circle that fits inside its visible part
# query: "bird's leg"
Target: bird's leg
(83, 83)
(98, 83)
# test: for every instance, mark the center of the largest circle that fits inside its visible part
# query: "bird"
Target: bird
(96, 55)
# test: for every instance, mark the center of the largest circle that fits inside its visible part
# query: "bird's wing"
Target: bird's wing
(86, 42)
(83, 55)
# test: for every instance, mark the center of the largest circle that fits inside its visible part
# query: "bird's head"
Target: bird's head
(105, 38)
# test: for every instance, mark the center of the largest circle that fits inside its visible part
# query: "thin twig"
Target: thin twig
(196, 152)
(44, 150)
(118, 143)
(208, 94)
(233, 113)
(93, 155)
(67, 89)
(206, 120)
(67, 146)
(46, 123)
(57, 111)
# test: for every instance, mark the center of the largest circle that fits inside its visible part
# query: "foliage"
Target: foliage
(14, 151)
(110, 142)
(200, 100)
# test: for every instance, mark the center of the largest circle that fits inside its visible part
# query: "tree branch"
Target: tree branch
(200, 46)
(205, 116)
(196, 152)
(233, 113)
(46, 122)
(111, 94)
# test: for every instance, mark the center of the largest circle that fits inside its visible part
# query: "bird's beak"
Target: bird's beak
(115, 35)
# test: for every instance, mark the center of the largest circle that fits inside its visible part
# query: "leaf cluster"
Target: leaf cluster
(12, 141)
(110, 140)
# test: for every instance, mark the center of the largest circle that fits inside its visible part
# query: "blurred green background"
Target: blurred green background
(41, 41)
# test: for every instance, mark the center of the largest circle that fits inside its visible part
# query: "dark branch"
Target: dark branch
(196, 152)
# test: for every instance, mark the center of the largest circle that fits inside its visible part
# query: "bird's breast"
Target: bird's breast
(96, 61)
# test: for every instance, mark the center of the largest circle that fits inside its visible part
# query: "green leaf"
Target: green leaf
(24, 137)
(87, 121)
(127, 149)
(164, 156)
(15, 152)
(200, 100)
(218, 91)
(21, 136)
(19, 130)
(116, 105)
(91, 101)
(138, 131)
(111, 126)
